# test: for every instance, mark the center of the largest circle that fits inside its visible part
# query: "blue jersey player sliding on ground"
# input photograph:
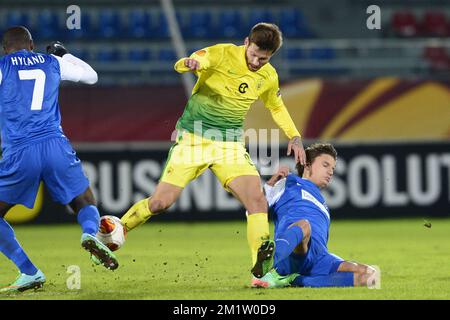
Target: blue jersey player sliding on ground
(299, 253)
(35, 149)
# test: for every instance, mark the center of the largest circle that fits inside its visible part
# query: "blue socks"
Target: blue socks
(89, 219)
(286, 242)
(11, 248)
(337, 279)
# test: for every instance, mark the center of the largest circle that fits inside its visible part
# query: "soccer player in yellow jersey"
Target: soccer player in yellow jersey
(230, 79)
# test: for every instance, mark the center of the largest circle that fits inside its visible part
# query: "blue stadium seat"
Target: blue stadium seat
(139, 24)
(229, 25)
(162, 29)
(322, 53)
(139, 55)
(259, 15)
(200, 24)
(109, 24)
(108, 55)
(167, 55)
(293, 54)
(48, 26)
(17, 18)
(293, 24)
(82, 54)
(86, 30)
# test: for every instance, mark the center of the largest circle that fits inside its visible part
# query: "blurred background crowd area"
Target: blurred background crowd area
(339, 79)
(381, 95)
(129, 41)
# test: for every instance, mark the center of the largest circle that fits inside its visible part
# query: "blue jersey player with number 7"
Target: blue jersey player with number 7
(35, 149)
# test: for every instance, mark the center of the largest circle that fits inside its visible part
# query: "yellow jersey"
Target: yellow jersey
(226, 89)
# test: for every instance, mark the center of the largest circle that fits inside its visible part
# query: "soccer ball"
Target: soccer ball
(111, 233)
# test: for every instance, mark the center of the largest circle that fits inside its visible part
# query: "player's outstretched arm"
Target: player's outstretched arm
(273, 101)
(282, 118)
(72, 68)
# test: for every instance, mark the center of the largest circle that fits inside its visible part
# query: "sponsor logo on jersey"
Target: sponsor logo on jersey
(243, 87)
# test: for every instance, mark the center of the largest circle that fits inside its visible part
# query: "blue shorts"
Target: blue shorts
(311, 264)
(317, 261)
(52, 161)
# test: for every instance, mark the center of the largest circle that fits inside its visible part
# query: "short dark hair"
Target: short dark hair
(17, 37)
(267, 36)
(313, 151)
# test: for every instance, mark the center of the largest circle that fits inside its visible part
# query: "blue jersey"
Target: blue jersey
(29, 84)
(301, 199)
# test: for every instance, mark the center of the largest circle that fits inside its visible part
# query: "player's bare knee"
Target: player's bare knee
(305, 226)
(159, 205)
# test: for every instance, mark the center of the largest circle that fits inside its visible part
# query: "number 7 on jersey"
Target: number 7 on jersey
(39, 84)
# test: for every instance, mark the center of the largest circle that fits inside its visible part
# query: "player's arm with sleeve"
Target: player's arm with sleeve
(199, 61)
(76, 70)
(273, 101)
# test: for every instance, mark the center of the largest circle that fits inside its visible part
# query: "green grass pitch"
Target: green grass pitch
(211, 261)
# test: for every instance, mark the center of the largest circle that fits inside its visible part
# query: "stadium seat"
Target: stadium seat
(108, 55)
(82, 54)
(437, 57)
(199, 24)
(293, 54)
(435, 24)
(139, 55)
(108, 24)
(17, 18)
(229, 24)
(167, 55)
(162, 29)
(259, 15)
(293, 24)
(324, 53)
(47, 25)
(404, 24)
(139, 24)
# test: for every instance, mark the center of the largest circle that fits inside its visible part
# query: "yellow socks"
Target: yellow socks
(257, 232)
(136, 215)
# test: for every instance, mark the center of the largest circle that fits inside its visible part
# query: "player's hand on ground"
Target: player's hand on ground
(192, 64)
(57, 48)
(296, 145)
